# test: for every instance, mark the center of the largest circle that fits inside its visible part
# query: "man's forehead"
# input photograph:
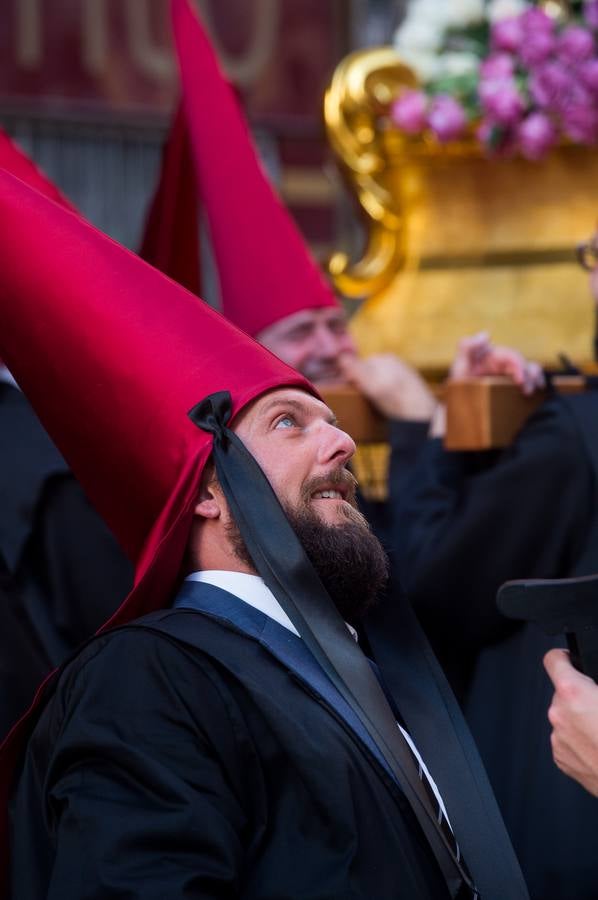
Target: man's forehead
(312, 316)
(289, 398)
(293, 397)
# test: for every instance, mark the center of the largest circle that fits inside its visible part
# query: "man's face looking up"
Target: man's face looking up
(295, 439)
(311, 341)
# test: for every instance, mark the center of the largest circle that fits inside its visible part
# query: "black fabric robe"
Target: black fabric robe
(27, 459)
(203, 752)
(58, 551)
(206, 769)
(23, 662)
(467, 523)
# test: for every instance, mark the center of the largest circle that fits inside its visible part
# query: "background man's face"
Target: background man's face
(311, 341)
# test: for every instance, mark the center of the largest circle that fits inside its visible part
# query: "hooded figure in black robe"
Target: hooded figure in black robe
(466, 523)
(58, 551)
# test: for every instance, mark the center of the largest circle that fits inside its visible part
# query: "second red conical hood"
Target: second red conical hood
(266, 271)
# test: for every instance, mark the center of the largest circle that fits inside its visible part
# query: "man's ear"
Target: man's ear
(209, 504)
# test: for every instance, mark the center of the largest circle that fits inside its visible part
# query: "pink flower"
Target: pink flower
(536, 20)
(499, 65)
(408, 112)
(580, 123)
(507, 34)
(446, 118)
(575, 96)
(548, 83)
(575, 44)
(501, 100)
(590, 13)
(536, 48)
(588, 72)
(536, 135)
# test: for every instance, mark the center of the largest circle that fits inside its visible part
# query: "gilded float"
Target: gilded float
(457, 242)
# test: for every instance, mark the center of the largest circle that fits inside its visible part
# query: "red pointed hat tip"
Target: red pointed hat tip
(265, 269)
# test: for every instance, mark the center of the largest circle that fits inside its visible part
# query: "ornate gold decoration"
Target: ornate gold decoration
(457, 242)
(362, 87)
(557, 9)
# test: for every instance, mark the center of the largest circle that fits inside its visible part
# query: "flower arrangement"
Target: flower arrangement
(520, 75)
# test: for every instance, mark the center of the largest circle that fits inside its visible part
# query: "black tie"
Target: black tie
(468, 889)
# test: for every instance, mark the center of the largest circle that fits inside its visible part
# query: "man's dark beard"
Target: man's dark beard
(348, 558)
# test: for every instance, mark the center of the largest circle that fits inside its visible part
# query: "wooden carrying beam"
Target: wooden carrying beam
(355, 414)
(485, 413)
(481, 413)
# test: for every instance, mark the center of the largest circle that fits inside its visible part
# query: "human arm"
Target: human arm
(573, 715)
(398, 391)
(477, 356)
(395, 388)
(144, 788)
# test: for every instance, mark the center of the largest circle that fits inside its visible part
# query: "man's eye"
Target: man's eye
(285, 422)
(299, 334)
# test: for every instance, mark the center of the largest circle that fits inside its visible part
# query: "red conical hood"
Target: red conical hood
(112, 355)
(265, 269)
(171, 238)
(13, 160)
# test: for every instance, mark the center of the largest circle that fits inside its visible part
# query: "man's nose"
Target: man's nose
(327, 343)
(335, 445)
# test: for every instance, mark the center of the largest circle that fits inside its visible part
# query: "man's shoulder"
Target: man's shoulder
(165, 632)
(139, 668)
(157, 646)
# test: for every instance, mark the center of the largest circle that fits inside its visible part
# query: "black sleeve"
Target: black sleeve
(406, 440)
(467, 522)
(144, 785)
(72, 575)
(27, 459)
(23, 663)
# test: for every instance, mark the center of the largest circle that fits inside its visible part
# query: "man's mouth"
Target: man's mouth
(336, 485)
(328, 495)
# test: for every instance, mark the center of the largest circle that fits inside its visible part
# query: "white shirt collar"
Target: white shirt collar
(252, 590)
(249, 588)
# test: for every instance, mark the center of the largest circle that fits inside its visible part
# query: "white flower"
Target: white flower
(464, 12)
(418, 35)
(455, 64)
(426, 66)
(430, 10)
(504, 9)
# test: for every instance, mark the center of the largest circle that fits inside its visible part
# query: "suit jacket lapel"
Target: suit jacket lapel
(281, 643)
